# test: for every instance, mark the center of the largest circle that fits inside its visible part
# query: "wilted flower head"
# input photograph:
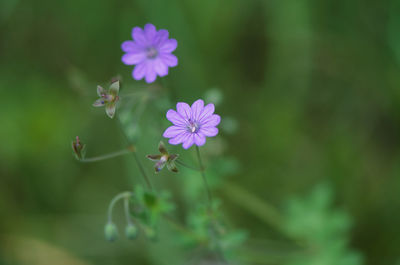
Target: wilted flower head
(79, 148)
(150, 51)
(192, 124)
(108, 98)
(164, 158)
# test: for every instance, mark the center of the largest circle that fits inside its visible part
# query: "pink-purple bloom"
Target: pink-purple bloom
(151, 52)
(192, 124)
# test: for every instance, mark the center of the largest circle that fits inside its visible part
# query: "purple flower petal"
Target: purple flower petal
(168, 46)
(173, 131)
(179, 138)
(188, 142)
(138, 36)
(151, 75)
(131, 46)
(160, 67)
(150, 32)
(175, 118)
(169, 59)
(184, 110)
(209, 131)
(211, 121)
(133, 58)
(139, 71)
(199, 139)
(161, 37)
(197, 108)
(207, 112)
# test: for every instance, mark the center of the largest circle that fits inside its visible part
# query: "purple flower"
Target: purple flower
(150, 51)
(192, 124)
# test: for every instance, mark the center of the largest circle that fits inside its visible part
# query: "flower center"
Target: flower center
(193, 126)
(151, 52)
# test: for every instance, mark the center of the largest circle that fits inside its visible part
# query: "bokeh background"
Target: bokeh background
(309, 91)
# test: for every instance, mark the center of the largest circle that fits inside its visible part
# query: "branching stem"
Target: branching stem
(119, 196)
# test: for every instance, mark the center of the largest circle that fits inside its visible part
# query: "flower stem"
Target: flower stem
(119, 196)
(204, 176)
(141, 168)
(107, 156)
(135, 155)
(127, 212)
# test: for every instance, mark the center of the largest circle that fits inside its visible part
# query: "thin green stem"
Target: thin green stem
(119, 196)
(134, 152)
(186, 165)
(203, 174)
(141, 168)
(106, 156)
(127, 212)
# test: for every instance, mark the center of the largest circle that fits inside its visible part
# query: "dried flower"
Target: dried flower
(108, 98)
(192, 124)
(79, 149)
(164, 159)
(150, 51)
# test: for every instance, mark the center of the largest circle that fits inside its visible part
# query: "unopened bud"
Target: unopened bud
(110, 231)
(79, 148)
(131, 231)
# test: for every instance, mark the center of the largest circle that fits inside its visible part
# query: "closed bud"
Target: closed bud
(110, 231)
(79, 149)
(131, 231)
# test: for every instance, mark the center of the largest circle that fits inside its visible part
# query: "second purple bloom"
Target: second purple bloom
(192, 124)
(151, 52)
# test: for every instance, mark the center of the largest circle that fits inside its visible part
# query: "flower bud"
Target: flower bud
(131, 231)
(79, 149)
(110, 231)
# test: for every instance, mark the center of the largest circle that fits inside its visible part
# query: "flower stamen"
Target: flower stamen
(151, 52)
(193, 126)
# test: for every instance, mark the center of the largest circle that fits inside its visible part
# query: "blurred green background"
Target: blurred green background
(313, 88)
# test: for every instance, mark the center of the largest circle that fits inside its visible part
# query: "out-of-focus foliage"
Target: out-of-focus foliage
(148, 207)
(322, 230)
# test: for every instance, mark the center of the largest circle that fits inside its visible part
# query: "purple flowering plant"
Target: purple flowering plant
(150, 51)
